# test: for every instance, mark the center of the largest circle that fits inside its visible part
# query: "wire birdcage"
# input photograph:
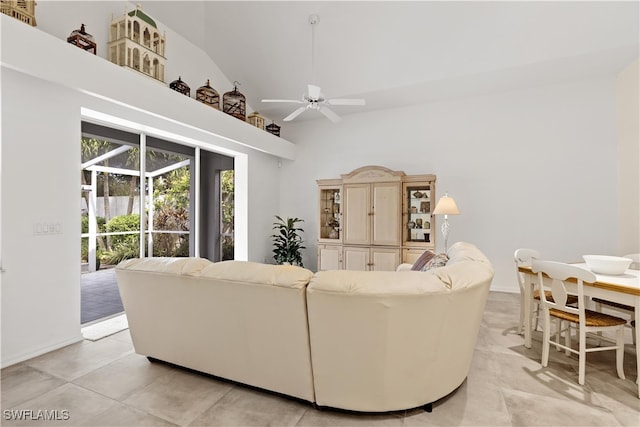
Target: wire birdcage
(234, 103)
(208, 95)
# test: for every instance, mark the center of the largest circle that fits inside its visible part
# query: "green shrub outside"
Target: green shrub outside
(124, 223)
(84, 228)
(125, 246)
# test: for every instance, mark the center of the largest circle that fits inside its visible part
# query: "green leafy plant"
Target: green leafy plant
(287, 242)
(123, 246)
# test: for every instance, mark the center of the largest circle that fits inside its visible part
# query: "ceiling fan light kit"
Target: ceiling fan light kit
(314, 99)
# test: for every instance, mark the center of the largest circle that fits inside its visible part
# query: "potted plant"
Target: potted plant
(287, 242)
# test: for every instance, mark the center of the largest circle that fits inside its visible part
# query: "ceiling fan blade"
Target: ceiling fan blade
(294, 114)
(345, 101)
(283, 100)
(330, 114)
(314, 92)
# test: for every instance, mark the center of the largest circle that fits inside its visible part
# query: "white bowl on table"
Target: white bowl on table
(605, 264)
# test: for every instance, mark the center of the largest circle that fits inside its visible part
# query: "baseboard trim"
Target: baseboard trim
(35, 353)
(505, 290)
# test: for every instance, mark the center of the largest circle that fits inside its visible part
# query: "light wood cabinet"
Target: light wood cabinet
(379, 218)
(329, 257)
(364, 258)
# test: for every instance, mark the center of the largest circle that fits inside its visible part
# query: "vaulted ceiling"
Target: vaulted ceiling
(395, 53)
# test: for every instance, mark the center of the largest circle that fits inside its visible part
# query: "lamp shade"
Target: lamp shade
(446, 206)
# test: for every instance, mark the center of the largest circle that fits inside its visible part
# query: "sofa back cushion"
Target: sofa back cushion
(287, 276)
(166, 265)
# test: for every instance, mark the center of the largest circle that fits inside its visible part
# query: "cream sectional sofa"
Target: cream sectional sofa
(363, 341)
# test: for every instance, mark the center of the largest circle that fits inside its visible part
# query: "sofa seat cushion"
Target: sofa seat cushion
(166, 265)
(287, 276)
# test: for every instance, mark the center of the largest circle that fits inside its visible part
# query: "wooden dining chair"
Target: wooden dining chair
(587, 322)
(522, 258)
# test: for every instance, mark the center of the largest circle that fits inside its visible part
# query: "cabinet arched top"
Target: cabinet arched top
(372, 174)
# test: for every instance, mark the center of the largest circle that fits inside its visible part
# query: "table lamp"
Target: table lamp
(446, 206)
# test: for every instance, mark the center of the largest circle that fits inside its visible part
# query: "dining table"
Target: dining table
(623, 288)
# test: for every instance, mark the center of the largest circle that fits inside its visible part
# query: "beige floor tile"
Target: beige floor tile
(180, 397)
(534, 410)
(80, 405)
(120, 415)
(78, 359)
(498, 340)
(124, 336)
(125, 376)
(330, 417)
(620, 396)
(243, 406)
(477, 402)
(21, 383)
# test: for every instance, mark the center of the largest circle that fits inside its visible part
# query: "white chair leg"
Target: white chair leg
(546, 335)
(567, 339)
(537, 316)
(521, 324)
(558, 329)
(582, 356)
(620, 352)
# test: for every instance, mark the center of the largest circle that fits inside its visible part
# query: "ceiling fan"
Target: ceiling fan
(314, 98)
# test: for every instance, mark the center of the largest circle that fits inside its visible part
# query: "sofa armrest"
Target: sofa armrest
(404, 267)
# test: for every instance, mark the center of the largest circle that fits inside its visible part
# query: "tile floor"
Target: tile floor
(104, 383)
(99, 295)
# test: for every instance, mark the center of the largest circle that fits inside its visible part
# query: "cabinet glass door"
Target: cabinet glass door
(418, 205)
(330, 211)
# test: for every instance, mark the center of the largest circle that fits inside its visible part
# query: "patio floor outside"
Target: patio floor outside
(100, 297)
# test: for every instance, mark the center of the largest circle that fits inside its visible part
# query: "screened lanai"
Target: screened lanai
(142, 196)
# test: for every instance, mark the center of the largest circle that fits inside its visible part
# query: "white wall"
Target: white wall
(628, 108)
(42, 109)
(40, 174)
(528, 168)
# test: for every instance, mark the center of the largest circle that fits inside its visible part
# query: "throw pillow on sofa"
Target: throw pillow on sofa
(429, 260)
(422, 261)
(439, 260)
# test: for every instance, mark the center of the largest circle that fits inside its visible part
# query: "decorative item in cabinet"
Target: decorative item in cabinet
(330, 212)
(22, 10)
(208, 95)
(180, 86)
(135, 42)
(82, 39)
(256, 119)
(418, 192)
(234, 103)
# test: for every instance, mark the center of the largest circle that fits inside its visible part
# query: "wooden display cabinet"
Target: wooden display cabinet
(374, 218)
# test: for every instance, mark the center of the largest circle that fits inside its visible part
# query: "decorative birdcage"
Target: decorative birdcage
(180, 86)
(22, 10)
(208, 95)
(273, 129)
(256, 119)
(136, 42)
(82, 39)
(234, 103)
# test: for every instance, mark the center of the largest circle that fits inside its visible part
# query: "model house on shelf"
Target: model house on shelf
(136, 42)
(22, 10)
